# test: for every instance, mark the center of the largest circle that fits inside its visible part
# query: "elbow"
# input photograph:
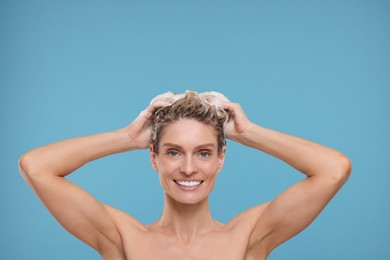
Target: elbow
(23, 165)
(343, 169)
(26, 166)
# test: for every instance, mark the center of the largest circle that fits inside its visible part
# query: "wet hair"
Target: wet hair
(194, 106)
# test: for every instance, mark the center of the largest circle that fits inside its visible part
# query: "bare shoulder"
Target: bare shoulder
(123, 220)
(248, 218)
(246, 223)
(130, 229)
(245, 228)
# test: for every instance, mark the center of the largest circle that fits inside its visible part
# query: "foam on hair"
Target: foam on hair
(211, 98)
(206, 107)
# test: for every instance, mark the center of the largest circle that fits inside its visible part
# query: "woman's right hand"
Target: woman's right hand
(139, 130)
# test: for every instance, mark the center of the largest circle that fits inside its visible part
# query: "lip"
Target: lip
(184, 188)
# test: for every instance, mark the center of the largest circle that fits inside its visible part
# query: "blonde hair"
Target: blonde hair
(205, 108)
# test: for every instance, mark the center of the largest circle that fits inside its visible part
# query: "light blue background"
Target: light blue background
(316, 69)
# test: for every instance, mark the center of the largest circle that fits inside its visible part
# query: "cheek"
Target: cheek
(211, 169)
(166, 167)
(165, 172)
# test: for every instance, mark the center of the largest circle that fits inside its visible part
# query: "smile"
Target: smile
(188, 184)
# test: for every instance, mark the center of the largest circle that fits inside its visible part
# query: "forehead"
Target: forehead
(188, 132)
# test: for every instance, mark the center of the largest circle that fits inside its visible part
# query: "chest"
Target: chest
(213, 246)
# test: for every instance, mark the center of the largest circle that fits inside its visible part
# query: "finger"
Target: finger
(214, 98)
(226, 105)
(229, 107)
(163, 97)
(157, 105)
(151, 109)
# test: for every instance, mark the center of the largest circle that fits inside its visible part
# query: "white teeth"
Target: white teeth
(189, 184)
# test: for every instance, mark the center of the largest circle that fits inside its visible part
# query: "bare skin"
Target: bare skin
(186, 229)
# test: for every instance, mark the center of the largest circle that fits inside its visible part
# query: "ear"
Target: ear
(153, 158)
(221, 159)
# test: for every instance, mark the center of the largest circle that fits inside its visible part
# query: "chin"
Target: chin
(189, 200)
(187, 197)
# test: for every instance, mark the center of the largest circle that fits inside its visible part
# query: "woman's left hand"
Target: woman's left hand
(238, 122)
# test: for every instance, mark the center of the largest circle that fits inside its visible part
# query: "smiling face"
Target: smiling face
(188, 160)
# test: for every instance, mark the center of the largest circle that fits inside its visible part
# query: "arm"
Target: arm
(81, 214)
(294, 209)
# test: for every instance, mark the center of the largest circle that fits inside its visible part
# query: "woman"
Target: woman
(186, 137)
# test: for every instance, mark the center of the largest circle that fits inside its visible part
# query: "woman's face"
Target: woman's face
(188, 160)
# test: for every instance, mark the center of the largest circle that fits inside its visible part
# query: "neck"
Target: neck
(186, 221)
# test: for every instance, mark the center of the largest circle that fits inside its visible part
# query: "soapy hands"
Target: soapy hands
(140, 129)
(238, 122)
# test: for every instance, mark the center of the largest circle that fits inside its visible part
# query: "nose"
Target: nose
(188, 167)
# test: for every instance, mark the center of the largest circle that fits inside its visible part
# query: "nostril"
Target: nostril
(188, 168)
(188, 165)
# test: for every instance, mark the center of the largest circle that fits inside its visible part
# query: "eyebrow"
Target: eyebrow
(196, 147)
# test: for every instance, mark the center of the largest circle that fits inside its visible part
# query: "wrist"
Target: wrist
(133, 143)
(125, 143)
(244, 133)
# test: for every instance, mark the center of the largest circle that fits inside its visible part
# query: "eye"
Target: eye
(172, 153)
(204, 154)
